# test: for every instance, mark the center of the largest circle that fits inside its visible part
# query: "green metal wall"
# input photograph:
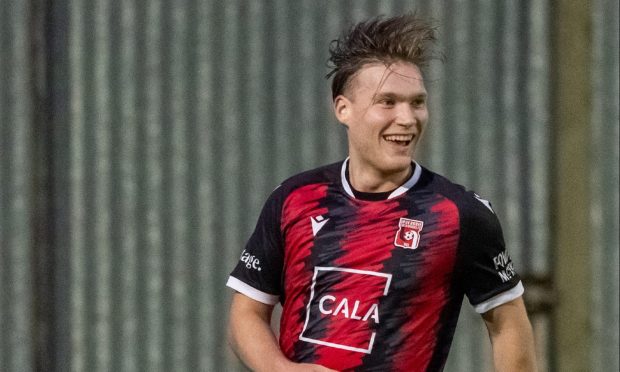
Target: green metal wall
(16, 188)
(139, 139)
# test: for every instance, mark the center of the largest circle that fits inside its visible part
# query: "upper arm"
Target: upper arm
(243, 306)
(247, 314)
(511, 336)
(506, 318)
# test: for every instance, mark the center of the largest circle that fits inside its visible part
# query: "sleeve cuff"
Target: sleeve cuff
(500, 299)
(252, 292)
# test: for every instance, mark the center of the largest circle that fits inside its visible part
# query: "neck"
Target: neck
(366, 179)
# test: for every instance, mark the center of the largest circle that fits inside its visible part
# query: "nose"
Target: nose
(406, 115)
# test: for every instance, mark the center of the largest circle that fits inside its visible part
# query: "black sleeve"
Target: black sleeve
(258, 272)
(488, 274)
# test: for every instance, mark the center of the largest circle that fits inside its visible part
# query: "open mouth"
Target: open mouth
(399, 139)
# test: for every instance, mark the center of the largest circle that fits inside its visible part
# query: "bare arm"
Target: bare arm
(251, 338)
(511, 336)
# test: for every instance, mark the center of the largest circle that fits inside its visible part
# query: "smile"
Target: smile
(400, 139)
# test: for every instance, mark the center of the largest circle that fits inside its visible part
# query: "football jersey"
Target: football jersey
(374, 285)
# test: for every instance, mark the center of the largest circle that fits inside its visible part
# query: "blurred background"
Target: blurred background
(139, 139)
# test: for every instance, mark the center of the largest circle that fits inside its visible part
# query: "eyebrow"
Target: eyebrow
(399, 97)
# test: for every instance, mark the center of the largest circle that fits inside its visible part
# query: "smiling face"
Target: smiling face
(384, 109)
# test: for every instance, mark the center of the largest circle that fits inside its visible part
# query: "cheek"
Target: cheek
(363, 138)
(366, 129)
(422, 119)
(360, 136)
(379, 117)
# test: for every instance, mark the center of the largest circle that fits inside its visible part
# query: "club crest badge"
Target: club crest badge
(408, 234)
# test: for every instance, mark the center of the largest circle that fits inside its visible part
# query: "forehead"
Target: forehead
(400, 77)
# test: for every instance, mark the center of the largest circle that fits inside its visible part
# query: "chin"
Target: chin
(399, 164)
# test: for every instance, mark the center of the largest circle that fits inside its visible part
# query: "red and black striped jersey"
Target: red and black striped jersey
(374, 285)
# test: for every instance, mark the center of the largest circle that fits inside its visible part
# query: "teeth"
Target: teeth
(399, 137)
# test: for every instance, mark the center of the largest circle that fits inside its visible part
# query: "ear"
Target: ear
(342, 109)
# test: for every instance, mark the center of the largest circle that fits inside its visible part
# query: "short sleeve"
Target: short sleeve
(488, 273)
(258, 272)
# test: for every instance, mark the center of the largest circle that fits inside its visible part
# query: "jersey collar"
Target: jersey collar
(417, 172)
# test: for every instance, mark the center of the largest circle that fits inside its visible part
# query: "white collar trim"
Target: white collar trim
(415, 177)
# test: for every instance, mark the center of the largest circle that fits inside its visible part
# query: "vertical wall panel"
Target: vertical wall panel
(280, 114)
(100, 153)
(485, 113)
(61, 229)
(230, 144)
(5, 73)
(76, 203)
(178, 281)
(304, 71)
(255, 118)
(16, 188)
(125, 232)
(604, 185)
(205, 196)
(537, 139)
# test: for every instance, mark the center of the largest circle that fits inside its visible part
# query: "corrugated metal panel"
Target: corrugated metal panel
(173, 120)
(16, 188)
(604, 184)
(484, 133)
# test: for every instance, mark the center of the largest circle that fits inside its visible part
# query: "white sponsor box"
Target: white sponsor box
(347, 300)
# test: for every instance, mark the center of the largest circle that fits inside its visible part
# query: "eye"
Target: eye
(418, 102)
(387, 101)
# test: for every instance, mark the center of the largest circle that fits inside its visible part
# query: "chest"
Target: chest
(412, 239)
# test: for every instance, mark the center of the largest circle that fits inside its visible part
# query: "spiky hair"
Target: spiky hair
(407, 38)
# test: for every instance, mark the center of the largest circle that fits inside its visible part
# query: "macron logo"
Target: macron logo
(485, 202)
(317, 223)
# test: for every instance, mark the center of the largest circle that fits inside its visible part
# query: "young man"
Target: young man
(371, 257)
